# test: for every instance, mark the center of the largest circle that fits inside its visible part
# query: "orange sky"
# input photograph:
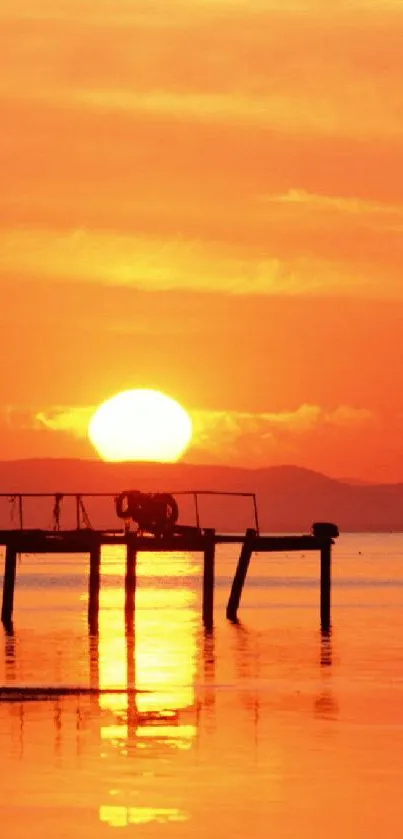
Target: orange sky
(205, 197)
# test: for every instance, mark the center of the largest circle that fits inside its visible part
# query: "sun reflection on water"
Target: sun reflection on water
(154, 660)
(124, 816)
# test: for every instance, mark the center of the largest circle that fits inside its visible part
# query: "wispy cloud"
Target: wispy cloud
(304, 66)
(71, 420)
(227, 434)
(137, 10)
(221, 435)
(335, 203)
(159, 265)
(290, 111)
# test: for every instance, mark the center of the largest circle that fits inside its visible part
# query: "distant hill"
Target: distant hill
(289, 498)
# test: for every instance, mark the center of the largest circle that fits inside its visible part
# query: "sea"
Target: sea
(266, 728)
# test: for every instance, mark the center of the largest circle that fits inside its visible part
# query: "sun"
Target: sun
(140, 425)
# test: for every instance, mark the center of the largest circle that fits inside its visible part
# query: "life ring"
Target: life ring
(155, 512)
(171, 507)
(123, 503)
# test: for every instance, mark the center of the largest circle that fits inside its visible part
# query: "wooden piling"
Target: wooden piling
(325, 532)
(208, 578)
(10, 568)
(325, 585)
(94, 585)
(240, 574)
(130, 585)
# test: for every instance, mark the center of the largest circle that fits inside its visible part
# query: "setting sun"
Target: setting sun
(140, 425)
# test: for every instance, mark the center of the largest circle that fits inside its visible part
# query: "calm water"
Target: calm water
(264, 729)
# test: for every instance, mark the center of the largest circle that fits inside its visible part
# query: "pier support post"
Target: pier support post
(325, 585)
(240, 575)
(208, 578)
(130, 586)
(94, 585)
(326, 532)
(10, 568)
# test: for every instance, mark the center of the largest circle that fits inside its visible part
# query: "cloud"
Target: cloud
(294, 112)
(155, 264)
(220, 434)
(136, 11)
(227, 432)
(301, 198)
(299, 66)
(310, 436)
(72, 420)
(258, 440)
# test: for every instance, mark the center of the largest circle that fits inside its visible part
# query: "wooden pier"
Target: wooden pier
(88, 540)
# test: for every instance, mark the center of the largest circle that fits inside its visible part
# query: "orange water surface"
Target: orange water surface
(262, 729)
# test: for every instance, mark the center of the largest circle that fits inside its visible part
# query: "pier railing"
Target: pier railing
(18, 505)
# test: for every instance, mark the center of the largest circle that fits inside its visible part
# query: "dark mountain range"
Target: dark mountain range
(289, 498)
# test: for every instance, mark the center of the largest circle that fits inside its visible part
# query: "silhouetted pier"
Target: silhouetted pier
(166, 537)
